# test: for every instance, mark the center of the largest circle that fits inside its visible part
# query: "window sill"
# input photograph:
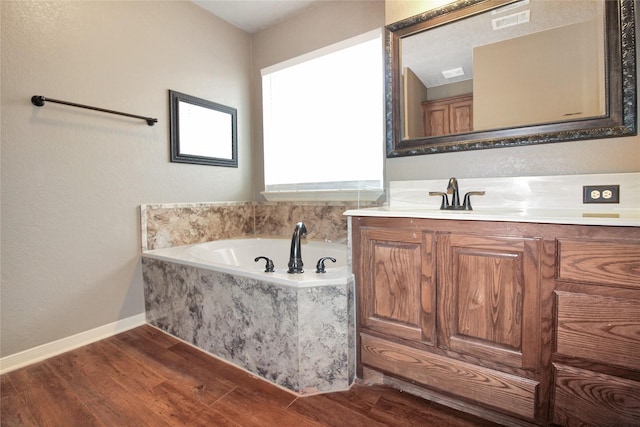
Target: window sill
(323, 195)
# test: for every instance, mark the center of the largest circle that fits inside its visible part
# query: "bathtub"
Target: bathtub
(294, 330)
(236, 256)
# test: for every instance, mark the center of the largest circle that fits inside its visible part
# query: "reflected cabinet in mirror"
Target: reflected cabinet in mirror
(478, 74)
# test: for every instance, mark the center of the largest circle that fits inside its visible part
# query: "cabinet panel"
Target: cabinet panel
(436, 119)
(448, 115)
(396, 277)
(599, 328)
(488, 297)
(486, 386)
(489, 306)
(605, 262)
(461, 116)
(586, 398)
(396, 282)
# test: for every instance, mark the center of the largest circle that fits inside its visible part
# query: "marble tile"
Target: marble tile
(168, 225)
(298, 338)
(164, 226)
(323, 338)
(324, 221)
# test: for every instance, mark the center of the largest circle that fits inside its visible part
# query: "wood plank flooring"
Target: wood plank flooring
(144, 377)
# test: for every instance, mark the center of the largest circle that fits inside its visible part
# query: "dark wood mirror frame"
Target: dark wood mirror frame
(620, 120)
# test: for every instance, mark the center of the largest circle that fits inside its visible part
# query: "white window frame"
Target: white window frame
(337, 190)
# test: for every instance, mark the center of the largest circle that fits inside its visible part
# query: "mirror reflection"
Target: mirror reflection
(483, 74)
(528, 62)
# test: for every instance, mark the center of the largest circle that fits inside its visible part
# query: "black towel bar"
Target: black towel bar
(39, 101)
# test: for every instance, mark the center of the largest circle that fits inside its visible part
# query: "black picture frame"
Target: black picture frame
(196, 122)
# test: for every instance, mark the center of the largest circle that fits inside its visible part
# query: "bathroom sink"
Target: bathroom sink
(535, 199)
(584, 215)
(476, 211)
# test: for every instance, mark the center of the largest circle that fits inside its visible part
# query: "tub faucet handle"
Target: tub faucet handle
(320, 265)
(269, 267)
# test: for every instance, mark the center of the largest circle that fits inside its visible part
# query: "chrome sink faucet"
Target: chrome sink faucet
(295, 256)
(452, 188)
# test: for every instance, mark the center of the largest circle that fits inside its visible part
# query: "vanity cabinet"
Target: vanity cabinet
(519, 323)
(596, 363)
(453, 308)
(447, 116)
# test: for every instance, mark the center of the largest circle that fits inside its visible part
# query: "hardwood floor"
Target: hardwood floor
(144, 377)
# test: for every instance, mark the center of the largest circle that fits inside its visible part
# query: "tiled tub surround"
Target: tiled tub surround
(176, 224)
(301, 338)
(167, 225)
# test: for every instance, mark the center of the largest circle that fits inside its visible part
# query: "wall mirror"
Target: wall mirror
(479, 74)
(202, 132)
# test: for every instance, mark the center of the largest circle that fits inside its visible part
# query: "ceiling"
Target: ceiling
(456, 41)
(253, 16)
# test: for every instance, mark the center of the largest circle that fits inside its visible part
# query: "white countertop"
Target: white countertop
(537, 199)
(618, 217)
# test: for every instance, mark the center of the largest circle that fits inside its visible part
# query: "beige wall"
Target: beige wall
(544, 77)
(319, 26)
(397, 10)
(414, 93)
(580, 157)
(72, 180)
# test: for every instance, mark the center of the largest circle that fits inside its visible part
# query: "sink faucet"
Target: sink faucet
(295, 257)
(452, 188)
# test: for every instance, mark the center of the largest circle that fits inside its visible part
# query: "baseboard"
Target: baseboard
(45, 351)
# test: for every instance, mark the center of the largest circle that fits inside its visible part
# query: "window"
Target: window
(323, 119)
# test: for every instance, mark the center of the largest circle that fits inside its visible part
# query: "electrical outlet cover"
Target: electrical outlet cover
(601, 194)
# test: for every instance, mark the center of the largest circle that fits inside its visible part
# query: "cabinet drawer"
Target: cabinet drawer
(485, 386)
(599, 328)
(604, 262)
(586, 398)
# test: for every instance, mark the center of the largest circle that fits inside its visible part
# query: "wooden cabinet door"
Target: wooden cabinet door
(396, 283)
(488, 299)
(461, 116)
(448, 115)
(436, 119)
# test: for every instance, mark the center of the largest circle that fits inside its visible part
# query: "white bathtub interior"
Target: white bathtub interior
(237, 256)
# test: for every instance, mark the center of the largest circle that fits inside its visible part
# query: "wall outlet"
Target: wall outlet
(601, 194)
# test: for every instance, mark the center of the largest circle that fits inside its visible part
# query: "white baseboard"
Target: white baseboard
(45, 351)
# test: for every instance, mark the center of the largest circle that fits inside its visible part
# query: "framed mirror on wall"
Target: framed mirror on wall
(478, 74)
(202, 132)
